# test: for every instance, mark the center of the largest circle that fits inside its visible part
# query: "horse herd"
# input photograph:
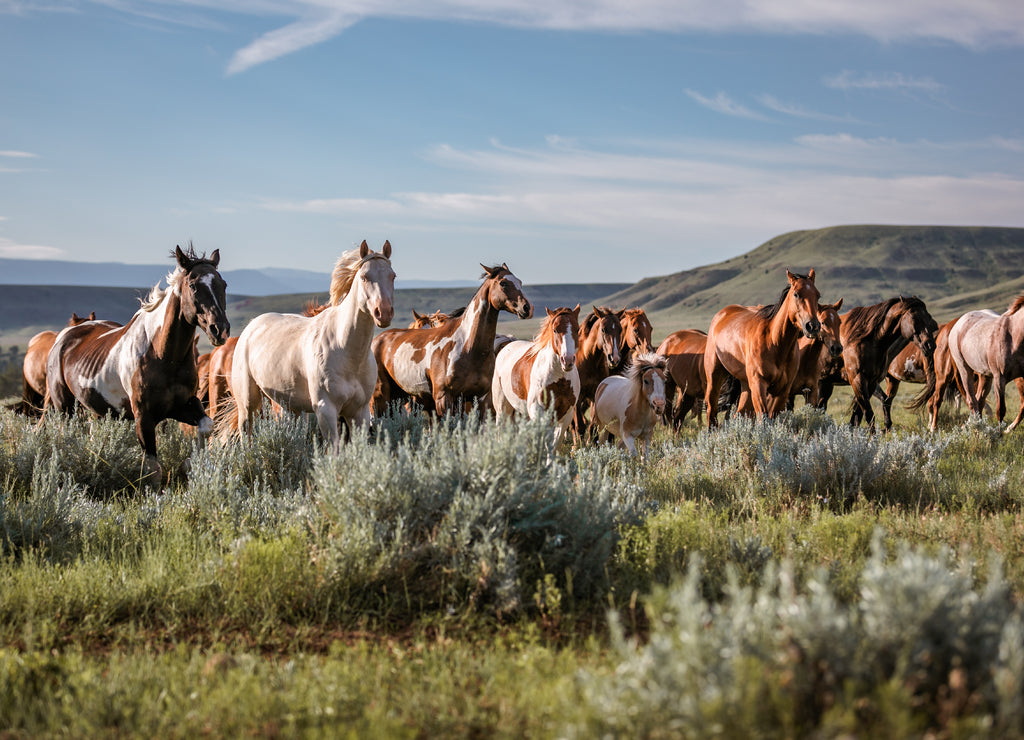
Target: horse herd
(596, 374)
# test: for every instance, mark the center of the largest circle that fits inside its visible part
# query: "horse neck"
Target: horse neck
(353, 324)
(479, 324)
(170, 334)
(782, 332)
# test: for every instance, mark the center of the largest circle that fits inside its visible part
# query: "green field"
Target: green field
(450, 579)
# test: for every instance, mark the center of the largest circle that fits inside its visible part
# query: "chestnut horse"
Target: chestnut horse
(629, 406)
(684, 370)
(320, 364)
(444, 367)
(636, 336)
(816, 354)
(872, 336)
(757, 346)
(530, 377)
(987, 349)
(598, 355)
(146, 369)
(33, 370)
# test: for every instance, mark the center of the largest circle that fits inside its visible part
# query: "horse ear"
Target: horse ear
(386, 249)
(549, 312)
(576, 310)
(838, 305)
(215, 257)
(180, 258)
(810, 274)
(416, 315)
(790, 276)
(364, 249)
(92, 316)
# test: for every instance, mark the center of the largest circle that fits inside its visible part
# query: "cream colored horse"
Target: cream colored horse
(320, 363)
(629, 406)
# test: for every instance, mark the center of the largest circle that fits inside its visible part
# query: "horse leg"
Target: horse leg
(999, 382)
(145, 432)
(629, 443)
(193, 413)
(892, 386)
(327, 419)
(1020, 413)
(715, 374)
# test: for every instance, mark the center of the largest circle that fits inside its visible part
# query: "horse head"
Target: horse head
(603, 329)
(802, 303)
(202, 294)
(917, 325)
(563, 324)
(505, 291)
(375, 283)
(636, 331)
(649, 369)
(828, 335)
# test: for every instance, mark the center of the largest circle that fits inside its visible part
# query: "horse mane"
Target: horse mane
(1018, 302)
(173, 279)
(546, 332)
(314, 307)
(643, 362)
(864, 321)
(770, 311)
(345, 270)
(457, 312)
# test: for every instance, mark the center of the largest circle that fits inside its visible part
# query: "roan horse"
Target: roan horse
(446, 366)
(598, 355)
(629, 406)
(757, 346)
(145, 370)
(872, 336)
(684, 370)
(33, 369)
(531, 377)
(987, 349)
(322, 363)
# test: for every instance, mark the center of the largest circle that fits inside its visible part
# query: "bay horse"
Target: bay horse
(757, 346)
(684, 373)
(531, 377)
(629, 406)
(146, 369)
(636, 336)
(33, 369)
(320, 364)
(444, 367)
(816, 354)
(872, 336)
(987, 350)
(599, 353)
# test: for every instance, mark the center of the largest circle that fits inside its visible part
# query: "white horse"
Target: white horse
(320, 363)
(630, 405)
(530, 377)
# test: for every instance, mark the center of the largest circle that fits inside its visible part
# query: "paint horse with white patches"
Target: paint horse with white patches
(320, 364)
(629, 406)
(444, 367)
(531, 377)
(145, 370)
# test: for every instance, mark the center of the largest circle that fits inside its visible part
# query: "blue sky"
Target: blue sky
(578, 142)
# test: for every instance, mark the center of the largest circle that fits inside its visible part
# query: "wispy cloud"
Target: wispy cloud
(16, 154)
(965, 22)
(773, 103)
(847, 80)
(13, 250)
(722, 103)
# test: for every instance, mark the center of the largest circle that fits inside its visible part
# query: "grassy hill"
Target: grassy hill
(953, 268)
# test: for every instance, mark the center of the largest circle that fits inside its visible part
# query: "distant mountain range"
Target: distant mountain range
(261, 282)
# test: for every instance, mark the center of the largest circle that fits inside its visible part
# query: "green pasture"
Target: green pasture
(458, 578)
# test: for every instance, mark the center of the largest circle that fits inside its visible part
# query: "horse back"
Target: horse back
(684, 351)
(87, 363)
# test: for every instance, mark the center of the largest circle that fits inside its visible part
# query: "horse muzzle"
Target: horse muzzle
(382, 316)
(836, 349)
(812, 328)
(567, 363)
(658, 406)
(218, 332)
(525, 310)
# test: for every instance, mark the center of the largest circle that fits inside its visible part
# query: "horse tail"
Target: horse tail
(225, 418)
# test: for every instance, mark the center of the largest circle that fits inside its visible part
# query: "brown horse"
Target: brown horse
(145, 370)
(636, 336)
(444, 367)
(33, 371)
(757, 346)
(816, 354)
(422, 320)
(597, 355)
(684, 370)
(872, 336)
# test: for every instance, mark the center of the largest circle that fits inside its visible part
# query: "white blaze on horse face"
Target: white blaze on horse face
(568, 349)
(656, 396)
(207, 282)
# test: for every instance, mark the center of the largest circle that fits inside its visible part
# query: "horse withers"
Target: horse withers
(146, 369)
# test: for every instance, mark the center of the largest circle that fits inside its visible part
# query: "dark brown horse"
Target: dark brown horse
(757, 346)
(684, 371)
(444, 367)
(636, 336)
(33, 370)
(145, 370)
(597, 355)
(816, 354)
(872, 336)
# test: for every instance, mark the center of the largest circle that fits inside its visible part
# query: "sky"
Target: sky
(576, 141)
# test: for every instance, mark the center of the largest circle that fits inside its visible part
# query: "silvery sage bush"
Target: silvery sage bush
(795, 662)
(463, 513)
